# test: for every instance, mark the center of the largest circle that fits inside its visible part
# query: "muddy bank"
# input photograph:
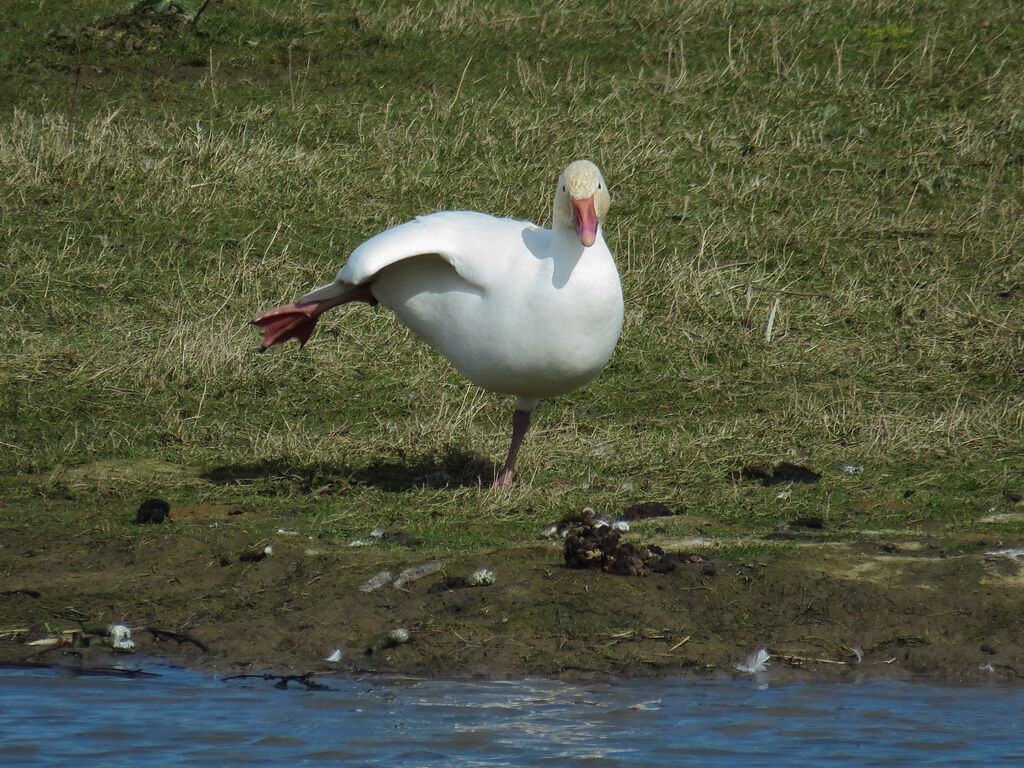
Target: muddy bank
(233, 593)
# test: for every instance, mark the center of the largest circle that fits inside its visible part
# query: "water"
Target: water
(186, 718)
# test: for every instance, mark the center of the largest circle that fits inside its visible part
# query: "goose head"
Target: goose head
(581, 200)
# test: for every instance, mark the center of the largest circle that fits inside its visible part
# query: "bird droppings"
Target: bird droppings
(335, 656)
(595, 544)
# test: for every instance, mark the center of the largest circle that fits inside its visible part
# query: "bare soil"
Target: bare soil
(201, 591)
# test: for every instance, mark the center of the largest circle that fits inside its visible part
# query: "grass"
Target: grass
(816, 217)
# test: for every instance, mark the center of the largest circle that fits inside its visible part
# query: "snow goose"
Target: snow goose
(517, 309)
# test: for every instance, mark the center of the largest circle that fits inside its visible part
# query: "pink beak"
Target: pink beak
(585, 218)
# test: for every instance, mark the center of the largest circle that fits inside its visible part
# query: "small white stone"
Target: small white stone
(399, 635)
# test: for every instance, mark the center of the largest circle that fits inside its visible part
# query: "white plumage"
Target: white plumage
(517, 309)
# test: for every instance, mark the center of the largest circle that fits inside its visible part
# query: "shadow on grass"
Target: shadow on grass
(451, 469)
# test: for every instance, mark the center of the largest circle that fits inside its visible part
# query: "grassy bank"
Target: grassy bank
(816, 217)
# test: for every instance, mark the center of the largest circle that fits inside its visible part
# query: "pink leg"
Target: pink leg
(520, 423)
(297, 321)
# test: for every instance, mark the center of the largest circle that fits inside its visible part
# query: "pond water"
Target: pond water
(188, 718)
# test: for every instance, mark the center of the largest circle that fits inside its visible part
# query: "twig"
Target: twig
(199, 13)
(803, 659)
(213, 87)
(685, 639)
(105, 671)
(291, 85)
(74, 103)
(163, 634)
(770, 325)
(979, 318)
(732, 265)
(458, 89)
(784, 292)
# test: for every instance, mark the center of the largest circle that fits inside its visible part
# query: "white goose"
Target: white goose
(517, 309)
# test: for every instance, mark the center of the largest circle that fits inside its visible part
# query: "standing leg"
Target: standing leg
(520, 423)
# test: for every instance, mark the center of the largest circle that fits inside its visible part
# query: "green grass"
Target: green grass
(856, 166)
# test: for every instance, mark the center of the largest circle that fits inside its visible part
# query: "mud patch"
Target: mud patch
(822, 608)
(209, 512)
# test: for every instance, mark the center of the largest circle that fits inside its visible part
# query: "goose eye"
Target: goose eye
(599, 185)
